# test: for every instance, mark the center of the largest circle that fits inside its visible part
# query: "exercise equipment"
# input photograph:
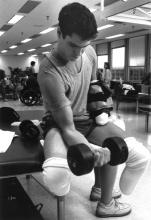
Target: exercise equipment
(81, 158)
(29, 130)
(8, 115)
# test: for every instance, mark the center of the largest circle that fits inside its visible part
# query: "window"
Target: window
(101, 60)
(137, 53)
(118, 58)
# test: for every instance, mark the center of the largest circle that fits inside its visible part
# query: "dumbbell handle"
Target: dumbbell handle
(102, 156)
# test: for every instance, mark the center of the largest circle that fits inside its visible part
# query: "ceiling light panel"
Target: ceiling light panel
(1, 33)
(29, 6)
(26, 40)
(4, 51)
(115, 36)
(129, 20)
(47, 30)
(104, 27)
(30, 50)
(46, 45)
(13, 47)
(6, 27)
(15, 19)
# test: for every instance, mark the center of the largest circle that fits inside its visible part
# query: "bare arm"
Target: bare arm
(64, 120)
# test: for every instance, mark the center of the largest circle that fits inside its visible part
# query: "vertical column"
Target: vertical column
(109, 53)
(126, 69)
(147, 53)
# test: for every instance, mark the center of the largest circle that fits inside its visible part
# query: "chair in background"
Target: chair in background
(126, 91)
(144, 104)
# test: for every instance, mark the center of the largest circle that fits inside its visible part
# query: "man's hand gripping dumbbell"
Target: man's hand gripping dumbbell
(82, 158)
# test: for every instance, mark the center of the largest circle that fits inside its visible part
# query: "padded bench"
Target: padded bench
(25, 157)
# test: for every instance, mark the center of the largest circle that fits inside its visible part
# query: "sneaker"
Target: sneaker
(95, 194)
(113, 209)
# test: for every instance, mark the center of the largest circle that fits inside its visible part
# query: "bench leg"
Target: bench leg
(60, 208)
(137, 106)
(147, 121)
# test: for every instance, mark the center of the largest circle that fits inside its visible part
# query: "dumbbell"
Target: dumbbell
(29, 130)
(81, 159)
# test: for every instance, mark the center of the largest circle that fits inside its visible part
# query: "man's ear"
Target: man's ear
(59, 32)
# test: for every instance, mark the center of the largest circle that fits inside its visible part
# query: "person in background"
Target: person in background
(3, 84)
(107, 75)
(99, 74)
(64, 77)
(32, 68)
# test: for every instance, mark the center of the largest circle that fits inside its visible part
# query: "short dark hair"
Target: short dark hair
(77, 18)
(107, 65)
(32, 63)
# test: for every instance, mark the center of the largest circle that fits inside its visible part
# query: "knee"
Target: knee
(139, 157)
(56, 176)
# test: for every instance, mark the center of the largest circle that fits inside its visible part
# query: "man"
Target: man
(64, 78)
(32, 67)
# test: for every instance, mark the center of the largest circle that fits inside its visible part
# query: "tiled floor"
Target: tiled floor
(78, 206)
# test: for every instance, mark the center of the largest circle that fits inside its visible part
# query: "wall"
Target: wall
(18, 61)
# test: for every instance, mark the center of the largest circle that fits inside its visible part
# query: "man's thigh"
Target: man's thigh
(99, 133)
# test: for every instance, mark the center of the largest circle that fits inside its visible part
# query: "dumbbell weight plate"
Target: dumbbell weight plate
(29, 130)
(80, 159)
(118, 148)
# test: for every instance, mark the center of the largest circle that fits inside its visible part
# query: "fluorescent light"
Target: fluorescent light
(104, 27)
(26, 40)
(1, 33)
(45, 52)
(102, 5)
(15, 19)
(129, 20)
(45, 45)
(31, 50)
(92, 10)
(132, 16)
(20, 53)
(114, 36)
(47, 30)
(143, 11)
(13, 46)
(4, 51)
(34, 55)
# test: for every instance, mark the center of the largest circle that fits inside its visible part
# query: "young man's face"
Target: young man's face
(72, 46)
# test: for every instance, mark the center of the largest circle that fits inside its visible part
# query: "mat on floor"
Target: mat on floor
(15, 203)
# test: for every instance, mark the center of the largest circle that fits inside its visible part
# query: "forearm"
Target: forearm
(73, 136)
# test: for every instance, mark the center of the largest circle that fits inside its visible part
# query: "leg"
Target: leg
(56, 173)
(136, 164)
(105, 176)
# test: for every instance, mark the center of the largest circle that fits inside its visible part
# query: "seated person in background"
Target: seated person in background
(64, 78)
(3, 84)
(32, 67)
(99, 74)
(147, 79)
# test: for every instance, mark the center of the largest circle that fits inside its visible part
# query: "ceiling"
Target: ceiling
(42, 14)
